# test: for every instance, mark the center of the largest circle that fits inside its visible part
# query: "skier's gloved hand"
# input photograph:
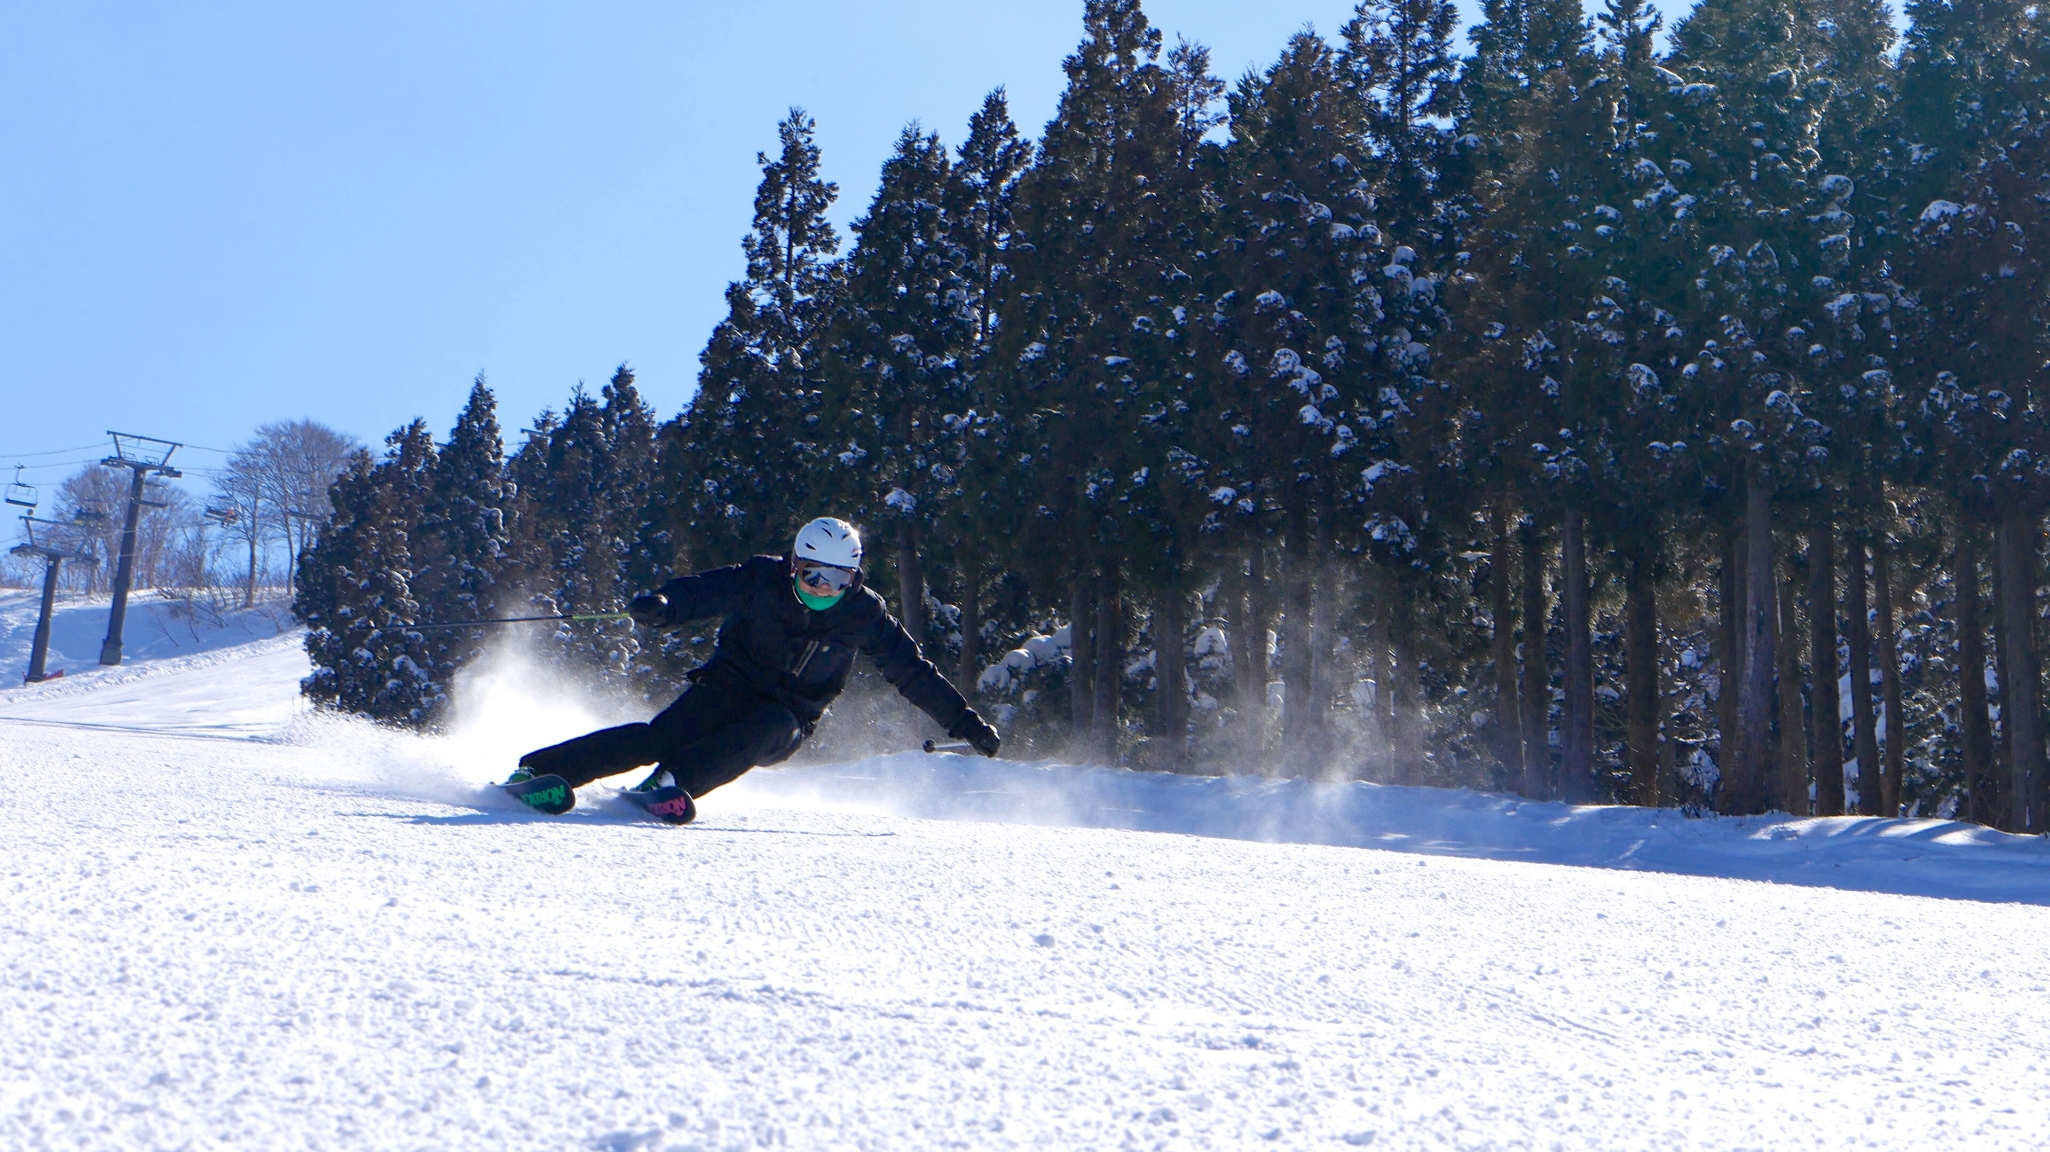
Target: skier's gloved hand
(649, 610)
(978, 733)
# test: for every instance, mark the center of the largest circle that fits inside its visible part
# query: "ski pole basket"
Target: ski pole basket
(19, 494)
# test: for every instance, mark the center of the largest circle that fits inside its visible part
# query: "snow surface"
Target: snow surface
(231, 922)
(156, 627)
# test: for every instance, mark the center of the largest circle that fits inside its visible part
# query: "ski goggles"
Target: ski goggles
(816, 575)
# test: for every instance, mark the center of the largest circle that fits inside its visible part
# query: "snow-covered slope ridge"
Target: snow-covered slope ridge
(332, 936)
(157, 628)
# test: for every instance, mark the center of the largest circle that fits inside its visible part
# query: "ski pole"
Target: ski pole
(503, 620)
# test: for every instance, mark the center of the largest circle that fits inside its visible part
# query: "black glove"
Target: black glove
(649, 610)
(978, 733)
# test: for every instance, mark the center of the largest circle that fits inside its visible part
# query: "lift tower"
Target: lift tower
(55, 548)
(145, 456)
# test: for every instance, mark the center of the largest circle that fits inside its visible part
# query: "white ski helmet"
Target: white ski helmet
(828, 541)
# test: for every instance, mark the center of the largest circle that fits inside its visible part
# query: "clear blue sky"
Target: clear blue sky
(217, 214)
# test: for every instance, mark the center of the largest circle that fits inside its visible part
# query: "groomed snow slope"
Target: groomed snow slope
(328, 936)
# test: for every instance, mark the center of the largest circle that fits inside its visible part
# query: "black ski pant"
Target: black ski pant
(709, 737)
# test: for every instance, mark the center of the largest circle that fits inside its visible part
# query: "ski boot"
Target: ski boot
(659, 797)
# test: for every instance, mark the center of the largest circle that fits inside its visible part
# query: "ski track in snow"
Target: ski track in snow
(282, 930)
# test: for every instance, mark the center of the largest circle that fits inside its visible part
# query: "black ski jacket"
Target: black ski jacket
(770, 644)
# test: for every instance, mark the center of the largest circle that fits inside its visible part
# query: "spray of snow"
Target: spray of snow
(507, 704)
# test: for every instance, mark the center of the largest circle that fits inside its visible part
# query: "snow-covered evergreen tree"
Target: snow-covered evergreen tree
(737, 464)
(583, 484)
(465, 533)
(894, 366)
(356, 593)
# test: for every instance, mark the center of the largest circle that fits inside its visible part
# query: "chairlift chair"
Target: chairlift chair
(19, 494)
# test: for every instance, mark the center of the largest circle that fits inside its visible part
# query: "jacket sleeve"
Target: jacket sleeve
(719, 592)
(897, 656)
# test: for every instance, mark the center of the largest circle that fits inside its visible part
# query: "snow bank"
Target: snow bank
(1909, 857)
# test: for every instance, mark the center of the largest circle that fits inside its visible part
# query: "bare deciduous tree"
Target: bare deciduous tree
(276, 483)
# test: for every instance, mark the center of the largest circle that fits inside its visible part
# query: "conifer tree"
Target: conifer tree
(1399, 64)
(583, 484)
(906, 324)
(735, 465)
(1982, 262)
(465, 534)
(981, 198)
(1301, 328)
(981, 202)
(356, 591)
(1087, 296)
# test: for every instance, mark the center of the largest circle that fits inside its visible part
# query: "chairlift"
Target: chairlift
(225, 517)
(131, 450)
(19, 494)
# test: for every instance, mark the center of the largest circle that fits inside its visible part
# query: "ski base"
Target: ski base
(550, 794)
(670, 805)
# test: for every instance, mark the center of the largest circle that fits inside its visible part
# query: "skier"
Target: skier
(785, 648)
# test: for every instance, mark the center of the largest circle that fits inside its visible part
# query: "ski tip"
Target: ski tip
(549, 794)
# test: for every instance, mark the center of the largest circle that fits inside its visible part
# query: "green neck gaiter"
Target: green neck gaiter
(815, 603)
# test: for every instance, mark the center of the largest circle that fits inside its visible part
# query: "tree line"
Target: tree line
(1567, 416)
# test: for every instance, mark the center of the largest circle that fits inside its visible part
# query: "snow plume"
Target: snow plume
(507, 704)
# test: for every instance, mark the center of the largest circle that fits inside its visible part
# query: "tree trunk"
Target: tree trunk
(1536, 703)
(965, 671)
(1793, 781)
(1576, 768)
(1669, 747)
(2003, 670)
(1171, 693)
(1110, 672)
(1982, 787)
(1893, 754)
(1299, 699)
(1402, 713)
(1828, 728)
(249, 589)
(1729, 650)
(1640, 640)
(1508, 726)
(1245, 689)
(1324, 595)
(1769, 780)
(1259, 613)
(910, 586)
(1864, 739)
(1385, 762)
(2023, 718)
(1754, 693)
(1082, 659)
